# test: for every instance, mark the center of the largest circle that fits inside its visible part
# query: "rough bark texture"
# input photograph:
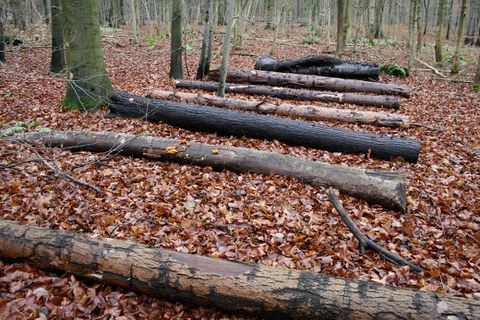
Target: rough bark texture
(321, 66)
(228, 122)
(266, 292)
(89, 87)
(384, 188)
(57, 63)
(297, 111)
(297, 94)
(176, 71)
(309, 81)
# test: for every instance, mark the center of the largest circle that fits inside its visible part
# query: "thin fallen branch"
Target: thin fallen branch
(438, 73)
(363, 241)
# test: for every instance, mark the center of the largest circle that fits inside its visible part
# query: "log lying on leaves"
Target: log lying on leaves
(264, 291)
(309, 81)
(298, 111)
(384, 188)
(321, 66)
(297, 94)
(228, 122)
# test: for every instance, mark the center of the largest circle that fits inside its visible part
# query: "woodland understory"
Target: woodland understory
(266, 219)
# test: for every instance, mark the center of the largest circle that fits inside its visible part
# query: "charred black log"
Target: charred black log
(321, 66)
(228, 122)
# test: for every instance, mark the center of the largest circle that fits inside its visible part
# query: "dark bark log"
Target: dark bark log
(264, 291)
(321, 66)
(297, 94)
(308, 112)
(309, 81)
(228, 122)
(379, 187)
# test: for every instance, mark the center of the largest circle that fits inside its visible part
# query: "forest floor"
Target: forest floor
(266, 219)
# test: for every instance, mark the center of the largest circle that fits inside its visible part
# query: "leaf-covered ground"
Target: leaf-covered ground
(255, 218)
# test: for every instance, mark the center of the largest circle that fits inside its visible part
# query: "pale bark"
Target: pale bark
(263, 291)
(308, 112)
(458, 41)
(226, 48)
(296, 94)
(439, 36)
(380, 187)
(309, 81)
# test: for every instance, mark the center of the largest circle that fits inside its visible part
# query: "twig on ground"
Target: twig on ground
(427, 127)
(363, 241)
(438, 73)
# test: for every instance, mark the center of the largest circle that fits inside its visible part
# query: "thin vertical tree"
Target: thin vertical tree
(439, 36)
(411, 32)
(226, 49)
(133, 20)
(176, 71)
(340, 28)
(2, 37)
(476, 81)
(458, 41)
(206, 52)
(57, 63)
(88, 85)
(418, 23)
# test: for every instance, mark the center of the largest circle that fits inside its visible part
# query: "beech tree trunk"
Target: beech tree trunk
(309, 81)
(297, 94)
(378, 187)
(321, 66)
(57, 63)
(309, 112)
(264, 291)
(228, 122)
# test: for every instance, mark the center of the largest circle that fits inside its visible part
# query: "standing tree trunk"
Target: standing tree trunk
(206, 53)
(57, 64)
(133, 20)
(88, 87)
(371, 21)
(476, 82)
(411, 32)
(379, 6)
(226, 49)
(2, 37)
(439, 37)
(418, 22)
(458, 41)
(176, 71)
(340, 27)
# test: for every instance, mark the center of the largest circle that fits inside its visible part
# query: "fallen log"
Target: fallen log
(380, 187)
(264, 291)
(309, 81)
(296, 94)
(321, 66)
(308, 112)
(229, 122)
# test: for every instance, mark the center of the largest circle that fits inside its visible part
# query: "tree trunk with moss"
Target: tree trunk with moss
(226, 49)
(89, 87)
(340, 28)
(458, 41)
(57, 64)
(176, 71)
(206, 52)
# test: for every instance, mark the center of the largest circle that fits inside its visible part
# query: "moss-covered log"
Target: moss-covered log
(384, 188)
(259, 290)
(309, 81)
(309, 112)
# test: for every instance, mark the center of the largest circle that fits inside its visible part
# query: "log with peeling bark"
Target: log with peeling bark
(308, 112)
(229, 122)
(296, 94)
(380, 187)
(308, 81)
(262, 291)
(321, 66)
